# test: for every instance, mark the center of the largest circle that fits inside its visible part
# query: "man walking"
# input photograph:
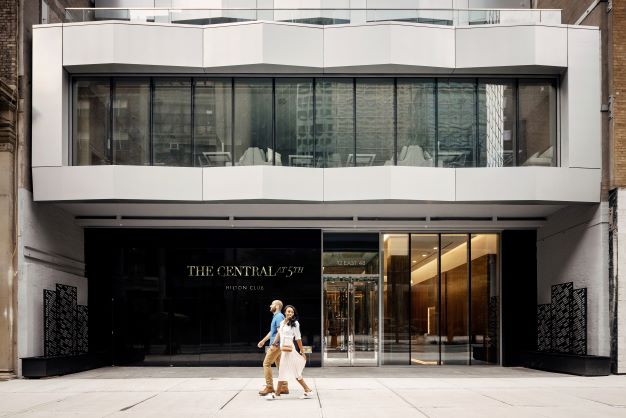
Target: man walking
(273, 353)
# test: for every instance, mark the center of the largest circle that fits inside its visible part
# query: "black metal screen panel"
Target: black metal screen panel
(50, 340)
(82, 330)
(561, 301)
(544, 327)
(579, 321)
(66, 324)
(493, 322)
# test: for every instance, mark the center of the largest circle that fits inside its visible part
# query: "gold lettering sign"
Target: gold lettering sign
(243, 271)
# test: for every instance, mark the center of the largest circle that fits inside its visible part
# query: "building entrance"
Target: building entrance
(351, 320)
(351, 285)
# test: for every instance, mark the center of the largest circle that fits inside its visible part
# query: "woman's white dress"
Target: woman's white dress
(291, 362)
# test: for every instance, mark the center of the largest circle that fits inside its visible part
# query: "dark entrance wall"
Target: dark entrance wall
(519, 296)
(148, 306)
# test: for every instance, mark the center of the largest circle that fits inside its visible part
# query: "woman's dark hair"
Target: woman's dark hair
(294, 318)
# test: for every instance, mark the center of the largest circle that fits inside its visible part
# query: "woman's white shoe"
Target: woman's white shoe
(270, 396)
(307, 395)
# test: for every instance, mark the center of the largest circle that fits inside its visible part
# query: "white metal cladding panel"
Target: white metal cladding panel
(528, 184)
(117, 182)
(49, 123)
(263, 183)
(135, 44)
(232, 183)
(292, 45)
(292, 183)
(371, 46)
(422, 46)
(388, 183)
(232, 45)
(508, 46)
(584, 99)
(385, 183)
(85, 44)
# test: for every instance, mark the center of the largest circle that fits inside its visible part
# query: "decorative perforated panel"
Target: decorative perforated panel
(544, 327)
(561, 302)
(65, 322)
(562, 324)
(51, 345)
(82, 330)
(579, 321)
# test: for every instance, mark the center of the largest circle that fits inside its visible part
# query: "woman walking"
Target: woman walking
(291, 362)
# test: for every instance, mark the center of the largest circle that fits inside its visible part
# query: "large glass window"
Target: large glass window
(438, 307)
(485, 296)
(172, 122)
(396, 300)
(334, 122)
(374, 123)
(537, 123)
(253, 121)
(496, 123)
(212, 122)
(416, 122)
(306, 122)
(294, 122)
(131, 122)
(424, 299)
(91, 122)
(454, 300)
(457, 123)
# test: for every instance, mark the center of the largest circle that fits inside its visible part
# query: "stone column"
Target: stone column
(8, 334)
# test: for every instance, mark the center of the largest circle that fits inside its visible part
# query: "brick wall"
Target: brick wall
(8, 41)
(571, 10)
(618, 91)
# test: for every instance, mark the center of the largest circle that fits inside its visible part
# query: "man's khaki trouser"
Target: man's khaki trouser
(272, 356)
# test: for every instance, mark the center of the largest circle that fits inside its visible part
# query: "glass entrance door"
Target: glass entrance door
(351, 320)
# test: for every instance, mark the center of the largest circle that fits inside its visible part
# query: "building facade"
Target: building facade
(418, 183)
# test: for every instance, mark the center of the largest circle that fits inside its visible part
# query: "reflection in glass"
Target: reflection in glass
(334, 130)
(212, 123)
(253, 121)
(496, 118)
(350, 308)
(416, 122)
(294, 122)
(537, 123)
(374, 122)
(457, 123)
(424, 299)
(396, 300)
(454, 300)
(91, 122)
(131, 122)
(171, 122)
(485, 291)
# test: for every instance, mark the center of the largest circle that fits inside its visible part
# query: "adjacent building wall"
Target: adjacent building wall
(51, 251)
(573, 247)
(16, 20)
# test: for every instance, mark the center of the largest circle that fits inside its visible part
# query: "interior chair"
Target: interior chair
(253, 156)
(543, 159)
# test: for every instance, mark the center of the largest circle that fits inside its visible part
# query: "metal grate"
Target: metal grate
(544, 327)
(66, 329)
(562, 324)
(579, 321)
(51, 345)
(82, 330)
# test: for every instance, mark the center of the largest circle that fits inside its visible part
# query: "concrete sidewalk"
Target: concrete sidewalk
(398, 392)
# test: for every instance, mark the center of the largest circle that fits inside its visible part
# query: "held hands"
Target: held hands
(260, 344)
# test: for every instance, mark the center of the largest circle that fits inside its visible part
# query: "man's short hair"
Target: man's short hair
(279, 303)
